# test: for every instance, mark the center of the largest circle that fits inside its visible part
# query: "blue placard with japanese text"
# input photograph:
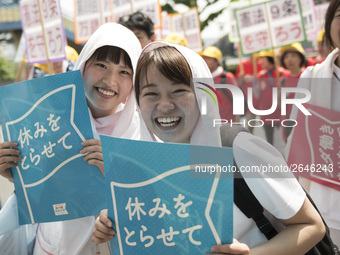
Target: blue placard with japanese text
(168, 198)
(49, 119)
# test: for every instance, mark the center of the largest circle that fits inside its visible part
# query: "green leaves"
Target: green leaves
(7, 69)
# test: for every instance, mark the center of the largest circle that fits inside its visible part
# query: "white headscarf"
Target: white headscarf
(113, 34)
(204, 132)
(321, 95)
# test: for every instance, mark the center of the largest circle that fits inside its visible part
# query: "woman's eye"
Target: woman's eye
(178, 91)
(150, 94)
(101, 65)
(125, 72)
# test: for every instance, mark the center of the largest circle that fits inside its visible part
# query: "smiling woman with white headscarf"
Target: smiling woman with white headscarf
(107, 63)
(111, 34)
(168, 85)
(203, 132)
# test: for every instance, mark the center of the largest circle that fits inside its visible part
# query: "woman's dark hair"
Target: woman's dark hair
(332, 8)
(111, 53)
(270, 60)
(170, 62)
(138, 20)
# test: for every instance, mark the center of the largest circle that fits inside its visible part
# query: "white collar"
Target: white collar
(217, 72)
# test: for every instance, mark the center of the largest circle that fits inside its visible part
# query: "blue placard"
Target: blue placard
(49, 119)
(164, 199)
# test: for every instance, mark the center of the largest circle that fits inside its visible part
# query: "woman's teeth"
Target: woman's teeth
(106, 92)
(168, 122)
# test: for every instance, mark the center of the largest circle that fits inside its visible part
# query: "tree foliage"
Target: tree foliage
(321, 1)
(7, 69)
(169, 8)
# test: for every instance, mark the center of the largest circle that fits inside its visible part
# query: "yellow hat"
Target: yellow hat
(71, 54)
(212, 52)
(266, 53)
(43, 67)
(321, 35)
(177, 39)
(256, 55)
(294, 46)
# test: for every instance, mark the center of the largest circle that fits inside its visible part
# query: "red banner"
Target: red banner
(315, 148)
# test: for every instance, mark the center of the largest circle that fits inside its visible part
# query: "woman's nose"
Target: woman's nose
(165, 104)
(111, 79)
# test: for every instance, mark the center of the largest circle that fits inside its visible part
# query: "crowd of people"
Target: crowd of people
(262, 72)
(140, 88)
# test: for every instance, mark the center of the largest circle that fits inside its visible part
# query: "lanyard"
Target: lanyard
(336, 76)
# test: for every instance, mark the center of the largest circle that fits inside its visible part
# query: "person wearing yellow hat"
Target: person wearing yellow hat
(37, 71)
(41, 70)
(322, 50)
(250, 67)
(213, 58)
(268, 78)
(67, 64)
(293, 59)
(71, 54)
(176, 39)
